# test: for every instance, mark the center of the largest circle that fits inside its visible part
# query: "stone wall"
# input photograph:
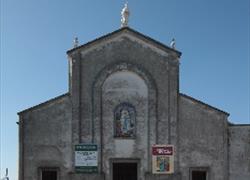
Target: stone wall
(126, 69)
(96, 93)
(45, 140)
(239, 152)
(203, 139)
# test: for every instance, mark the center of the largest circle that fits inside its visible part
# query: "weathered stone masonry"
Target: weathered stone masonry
(129, 69)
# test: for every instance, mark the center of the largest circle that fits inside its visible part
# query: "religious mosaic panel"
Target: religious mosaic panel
(124, 123)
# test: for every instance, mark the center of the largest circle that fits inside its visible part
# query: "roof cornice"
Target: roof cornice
(129, 30)
(205, 104)
(43, 104)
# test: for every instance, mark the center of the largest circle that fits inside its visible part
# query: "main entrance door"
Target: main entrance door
(124, 171)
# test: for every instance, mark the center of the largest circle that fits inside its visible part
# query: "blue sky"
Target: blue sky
(213, 36)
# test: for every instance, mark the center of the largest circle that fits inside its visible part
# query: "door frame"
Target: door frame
(125, 160)
(205, 169)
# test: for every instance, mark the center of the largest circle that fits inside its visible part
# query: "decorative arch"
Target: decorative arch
(124, 66)
(97, 121)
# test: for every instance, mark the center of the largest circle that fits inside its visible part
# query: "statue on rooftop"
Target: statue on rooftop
(172, 43)
(125, 15)
(75, 42)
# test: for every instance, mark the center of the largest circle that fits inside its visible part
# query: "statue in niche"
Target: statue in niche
(124, 120)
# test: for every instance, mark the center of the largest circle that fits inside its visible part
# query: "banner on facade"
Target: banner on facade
(163, 159)
(86, 160)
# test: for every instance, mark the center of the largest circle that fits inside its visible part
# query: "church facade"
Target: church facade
(124, 118)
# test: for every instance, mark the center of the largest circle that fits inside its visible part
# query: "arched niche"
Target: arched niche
(124, 105)
(124, 84)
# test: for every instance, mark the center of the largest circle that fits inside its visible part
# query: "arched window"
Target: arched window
(124, 120)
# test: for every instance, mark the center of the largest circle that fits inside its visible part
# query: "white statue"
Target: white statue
(6, 175)
(172, 43)
(76, 42)
(125, 15)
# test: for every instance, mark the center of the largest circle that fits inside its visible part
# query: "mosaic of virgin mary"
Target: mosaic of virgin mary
(124, 120)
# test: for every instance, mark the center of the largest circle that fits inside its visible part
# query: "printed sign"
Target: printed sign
(163, 159)
(86, 160)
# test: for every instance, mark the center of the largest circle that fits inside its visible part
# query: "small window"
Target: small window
(199, 174)
(48, 174)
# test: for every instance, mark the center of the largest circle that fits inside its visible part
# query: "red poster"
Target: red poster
(163, 159)
(162, 150)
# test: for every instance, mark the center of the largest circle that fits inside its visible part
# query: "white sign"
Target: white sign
(86, 158)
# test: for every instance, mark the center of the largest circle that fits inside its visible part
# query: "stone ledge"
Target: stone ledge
(74, 176)
(175, 176)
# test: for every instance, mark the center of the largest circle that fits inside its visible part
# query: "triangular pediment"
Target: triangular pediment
(128, 33)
